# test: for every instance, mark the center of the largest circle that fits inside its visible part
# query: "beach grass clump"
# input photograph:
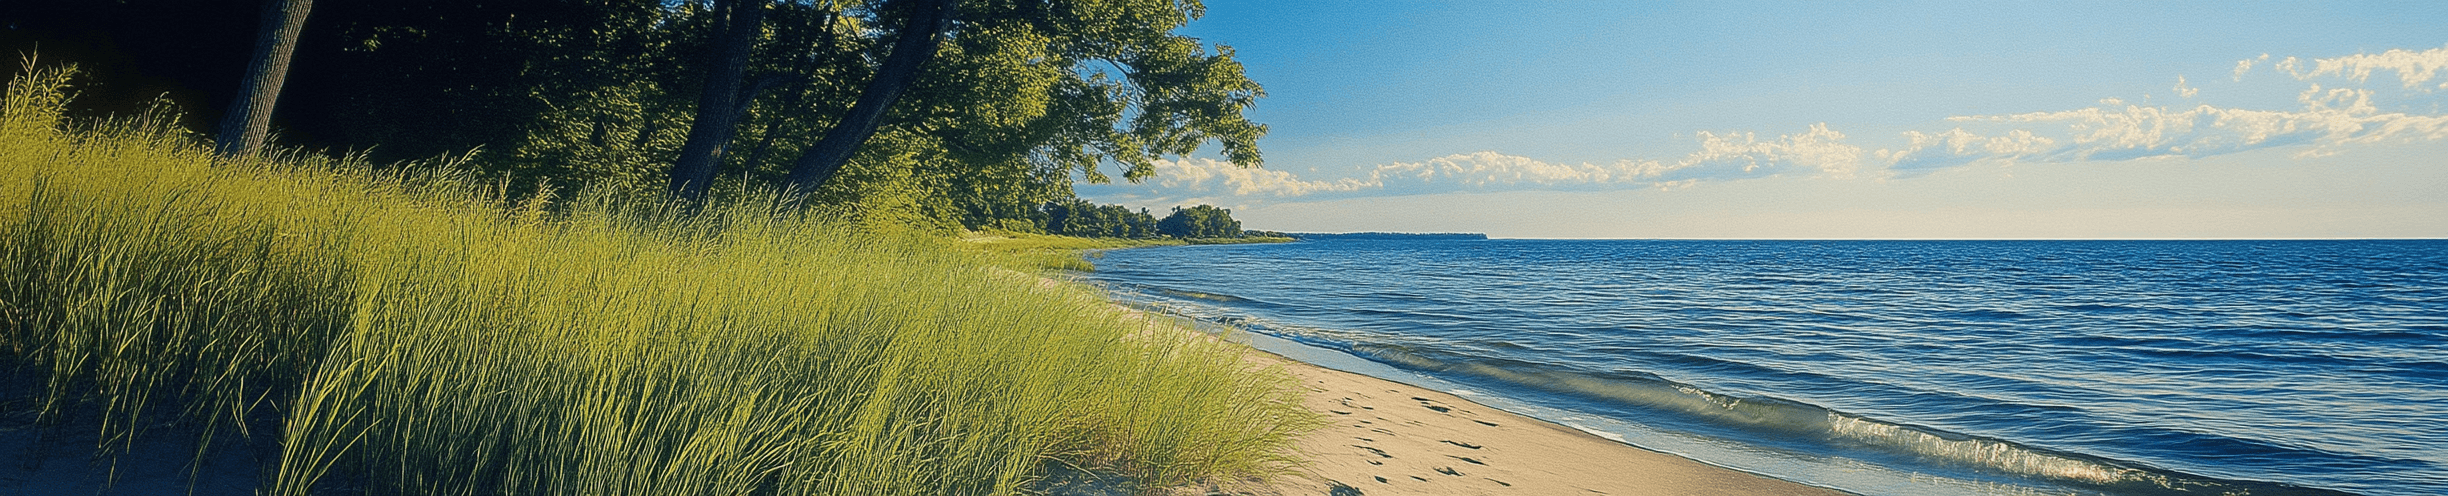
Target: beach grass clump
(1050, 251)
(407, 332)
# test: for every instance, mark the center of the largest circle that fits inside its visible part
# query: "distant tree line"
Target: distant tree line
(961, 112)
(1080, 218)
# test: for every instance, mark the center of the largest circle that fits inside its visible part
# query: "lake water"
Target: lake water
(1895, 367)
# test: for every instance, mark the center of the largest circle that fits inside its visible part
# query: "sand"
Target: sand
(1389, 438)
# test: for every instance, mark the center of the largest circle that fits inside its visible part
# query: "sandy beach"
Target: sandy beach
(1389, 438)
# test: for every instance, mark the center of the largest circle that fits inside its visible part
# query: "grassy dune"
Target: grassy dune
(1049, 251)
(406, 332)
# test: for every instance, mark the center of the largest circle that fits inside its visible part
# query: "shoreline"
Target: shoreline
(1390, 438)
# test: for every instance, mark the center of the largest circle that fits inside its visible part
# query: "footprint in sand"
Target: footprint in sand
(1459, 443)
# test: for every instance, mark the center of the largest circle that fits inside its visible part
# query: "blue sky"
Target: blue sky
(1611, 119)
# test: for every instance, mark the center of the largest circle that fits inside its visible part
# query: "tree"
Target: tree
(249, 119)
(1203, 221)
(1031, 96)
(1017, 100)
(919, 35)
(719, 104)
(1076, 217)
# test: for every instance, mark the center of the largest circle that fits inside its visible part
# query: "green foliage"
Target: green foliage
(407, 333)
(1088, 220)
(419, 79)
(614, 135)
(1203, 221)
(1016, 226)
(1023, 98)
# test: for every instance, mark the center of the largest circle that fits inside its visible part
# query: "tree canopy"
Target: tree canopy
(1203, 221)
(1089, 220)
(1022, 98)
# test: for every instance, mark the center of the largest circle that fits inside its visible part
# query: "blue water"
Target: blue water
(1897, 367)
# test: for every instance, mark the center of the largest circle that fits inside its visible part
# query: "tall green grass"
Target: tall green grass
(1050, 251)
(405, 332)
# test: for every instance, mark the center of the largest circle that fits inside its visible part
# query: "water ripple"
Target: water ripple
(2134, 365)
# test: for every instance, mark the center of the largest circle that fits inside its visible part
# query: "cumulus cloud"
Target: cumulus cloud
(2288, 65)
(1488, 168)
(2415, 69)
(1208, 175)
(2329, 119)
(1931, 151)
(1820, 152)
(2246, 65)
(1731, 155)
(2326, 121)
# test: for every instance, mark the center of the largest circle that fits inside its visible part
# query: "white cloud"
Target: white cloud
(2416, 69)
(1819, 151)
(2246, 65)
(1199, 174)
(1737, 155)
(1931, 151)
(2329, 120)
(1488, 168)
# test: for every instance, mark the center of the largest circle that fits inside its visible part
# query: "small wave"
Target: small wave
(1202, 296)
(2108, 342)
(2427, 368)
(1989, 314)
(2410, 333)
(1779, 419)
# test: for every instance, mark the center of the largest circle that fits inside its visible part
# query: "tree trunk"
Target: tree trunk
(805, 69)
(720, 104)
(249, 119)
(928, 19)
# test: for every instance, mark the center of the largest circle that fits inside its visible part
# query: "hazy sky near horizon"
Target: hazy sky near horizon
(1943, 119)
